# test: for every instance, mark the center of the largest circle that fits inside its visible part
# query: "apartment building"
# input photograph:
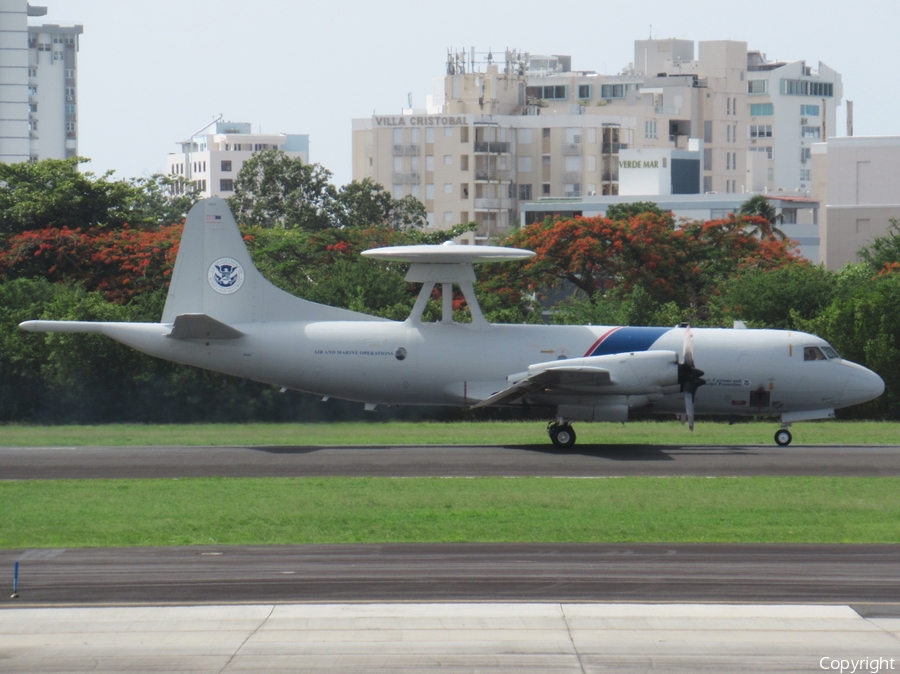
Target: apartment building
(38, 85)
(213, 155)
(497, 133)
(856, 180)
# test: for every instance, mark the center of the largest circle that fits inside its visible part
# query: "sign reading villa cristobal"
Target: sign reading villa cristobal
(647, 163)
(420, 120)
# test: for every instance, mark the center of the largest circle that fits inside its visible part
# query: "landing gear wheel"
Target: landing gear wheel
(563, 436)
(783, 437)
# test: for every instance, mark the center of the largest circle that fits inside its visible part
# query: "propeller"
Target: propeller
(689, 377)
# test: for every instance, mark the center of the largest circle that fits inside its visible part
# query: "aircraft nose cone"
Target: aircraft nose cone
(862, 385)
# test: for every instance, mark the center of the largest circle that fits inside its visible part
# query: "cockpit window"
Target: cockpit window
(830, 353)
(813, 353)
(819, 353)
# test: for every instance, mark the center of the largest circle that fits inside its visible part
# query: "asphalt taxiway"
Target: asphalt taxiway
(19, 463)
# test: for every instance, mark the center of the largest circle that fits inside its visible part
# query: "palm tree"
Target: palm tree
(760, 206)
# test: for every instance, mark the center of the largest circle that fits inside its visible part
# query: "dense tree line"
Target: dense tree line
(83, 247)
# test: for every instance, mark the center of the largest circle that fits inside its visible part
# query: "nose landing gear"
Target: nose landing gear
(561, 434)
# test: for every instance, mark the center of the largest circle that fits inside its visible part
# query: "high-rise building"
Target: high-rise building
(38, 85)
(497, 133)
(213, 155)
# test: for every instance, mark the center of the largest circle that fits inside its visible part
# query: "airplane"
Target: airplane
(223, 315)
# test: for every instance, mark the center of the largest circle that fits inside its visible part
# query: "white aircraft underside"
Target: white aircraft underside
(222, 315)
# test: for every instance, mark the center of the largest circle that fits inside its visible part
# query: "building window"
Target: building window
(760, 130)
(32, 90)
(70, 108)
(811, 132)
(584, 92)
(545, 133)
(70, 73)
(32, 124)
(524, 192)
(708, 131)
(805, 154)
(550, 92)
(613, 90)
(759, 148)
(448, 159)
(448, 188)
(525, 164)
(790, 216)
(650, 129)
(448, 217)
(545, 188)
(463, 134)
(809, 110)
(429, 191)
(525, 136)
(226, 185)
(226, 166)
(805, 174)
(762, 109)
(70, 127)
(414, 136)
(757, 86)
(429, 162)
(429, 134)
(464, 162)
(807, 88)
(32, 72)
(32, 107)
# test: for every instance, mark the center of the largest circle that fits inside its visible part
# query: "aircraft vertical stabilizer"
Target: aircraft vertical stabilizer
(215, 276)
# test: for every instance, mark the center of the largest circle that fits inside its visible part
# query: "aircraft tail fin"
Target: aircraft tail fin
(215, 276)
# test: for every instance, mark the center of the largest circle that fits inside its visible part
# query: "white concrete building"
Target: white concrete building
(38, 85)
(496, 134)
(800, 216)
(857, 178)
(213, 155)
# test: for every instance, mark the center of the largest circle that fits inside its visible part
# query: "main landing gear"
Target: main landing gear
(561, 434)
(783, 437)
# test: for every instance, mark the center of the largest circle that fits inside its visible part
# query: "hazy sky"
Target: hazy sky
(152, 72)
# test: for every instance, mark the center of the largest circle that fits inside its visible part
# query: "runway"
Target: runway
(423, 572)
(49, 463)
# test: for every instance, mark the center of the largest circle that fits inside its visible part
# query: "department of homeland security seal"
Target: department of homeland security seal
(226, 275)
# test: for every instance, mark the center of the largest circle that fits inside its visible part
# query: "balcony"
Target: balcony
(493, 175)
(572, 177)
(493, 204)
(667, 110)
(613, 148)
(406, 150)
(411, 178)
(571, 149)
(492, 147)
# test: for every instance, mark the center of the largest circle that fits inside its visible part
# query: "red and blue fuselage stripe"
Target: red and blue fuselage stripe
(626, 340)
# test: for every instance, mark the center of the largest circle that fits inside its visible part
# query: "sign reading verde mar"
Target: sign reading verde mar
(647, 163)
(420, 120)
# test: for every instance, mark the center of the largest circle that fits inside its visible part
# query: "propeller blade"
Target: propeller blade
(689, 409)
(688, 349)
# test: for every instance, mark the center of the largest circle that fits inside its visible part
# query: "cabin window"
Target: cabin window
(830, 353)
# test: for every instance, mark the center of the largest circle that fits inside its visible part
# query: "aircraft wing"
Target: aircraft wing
(639, 373)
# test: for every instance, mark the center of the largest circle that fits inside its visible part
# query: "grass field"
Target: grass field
(87, 513)
(458, 433)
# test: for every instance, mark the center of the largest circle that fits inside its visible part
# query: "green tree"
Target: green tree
(884, 251)
(54, 192)
(368, 204)
(275, 190)
(863, 324)
(775, 298)
(761, 207)
(628, 211)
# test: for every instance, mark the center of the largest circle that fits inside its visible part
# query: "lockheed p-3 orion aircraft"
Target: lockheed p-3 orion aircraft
(222, 314)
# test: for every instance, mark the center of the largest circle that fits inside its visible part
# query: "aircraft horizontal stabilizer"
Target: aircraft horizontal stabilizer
(201, 326)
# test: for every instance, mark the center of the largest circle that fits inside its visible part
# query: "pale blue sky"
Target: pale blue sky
(152, 72)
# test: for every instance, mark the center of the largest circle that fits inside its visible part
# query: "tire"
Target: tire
(783, 437)
(563, 436)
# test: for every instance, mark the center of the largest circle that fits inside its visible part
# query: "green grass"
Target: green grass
(86, 513)
(458, 433)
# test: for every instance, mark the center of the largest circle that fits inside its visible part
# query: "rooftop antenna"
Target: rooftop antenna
(651, 31)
